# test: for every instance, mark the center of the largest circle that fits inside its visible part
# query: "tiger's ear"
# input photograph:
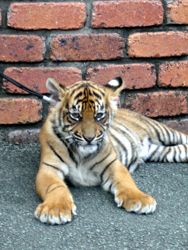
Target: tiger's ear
(114, 87)
(54, 89)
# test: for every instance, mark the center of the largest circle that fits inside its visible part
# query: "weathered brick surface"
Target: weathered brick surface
(19, 136)
(19, 110)
(177, 12)
(180, 125)
(35, 78)
(21, 48)
(47, 15)
(143, 41)
(174, 74)
(158, 44)
(135, 76)
(158, 103)
(82, 47)
(127, 13)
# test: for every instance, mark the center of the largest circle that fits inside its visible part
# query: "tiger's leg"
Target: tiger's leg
(118, 180)
(160, 153)
(58, 205)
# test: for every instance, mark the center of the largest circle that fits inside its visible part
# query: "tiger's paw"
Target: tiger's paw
(55, 213)
(140, 202)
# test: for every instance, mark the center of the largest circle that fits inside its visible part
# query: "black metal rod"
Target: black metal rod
(19, 85)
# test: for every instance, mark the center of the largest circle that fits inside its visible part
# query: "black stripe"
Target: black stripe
(79, 88)
(173, 141)
(157, 130)
(58, 156)
(61, 138)
(168, 136)
(120, 156)
(97, 95)
(177, 153)
(165, 133)
(170, 133)
(97, 163)
(110, 188)
(104, 182)
(153, 154)
(86, 85)
(70, 120)
(67, 128)
(59, 116)
(92, 155)
(125, 133)
(105, 169)
(95, 88)
(132, 163)
(186, 157)
(52, 166)
(175, 136)
(78, 95)
(123, 147)
(94, 102)
(71, 154)
(47, 191)
(163, 155)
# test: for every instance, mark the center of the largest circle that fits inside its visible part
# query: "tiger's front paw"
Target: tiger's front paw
(137, 202)
(53, 212)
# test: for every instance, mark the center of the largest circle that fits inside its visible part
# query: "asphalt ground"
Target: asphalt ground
(99, 223)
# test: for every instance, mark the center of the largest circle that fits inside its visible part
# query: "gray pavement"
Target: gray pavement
(99, 223)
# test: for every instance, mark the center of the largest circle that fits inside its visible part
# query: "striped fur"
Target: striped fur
(90, 142)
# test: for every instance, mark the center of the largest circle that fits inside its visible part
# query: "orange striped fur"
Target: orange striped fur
(87, 140)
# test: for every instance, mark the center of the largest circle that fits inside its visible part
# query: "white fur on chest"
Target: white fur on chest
(81, 176)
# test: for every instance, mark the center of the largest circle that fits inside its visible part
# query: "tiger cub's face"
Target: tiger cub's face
(85, 111)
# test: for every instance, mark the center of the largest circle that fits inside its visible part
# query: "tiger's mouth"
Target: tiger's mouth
(86, 142)
(88, 149)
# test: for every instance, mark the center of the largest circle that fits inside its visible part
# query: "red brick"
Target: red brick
(81, 47)
(21, 48)
(177, 12)
(46, 15)
(158, 103)
(135, 76)
(19, 110)
(180, 125)
(173, 74)
(158, 44)
(35, 78)
(127, 13)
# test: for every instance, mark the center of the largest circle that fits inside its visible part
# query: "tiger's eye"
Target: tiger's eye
(75, 116)
(99, 116)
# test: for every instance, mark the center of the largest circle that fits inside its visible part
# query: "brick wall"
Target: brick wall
(143, 41)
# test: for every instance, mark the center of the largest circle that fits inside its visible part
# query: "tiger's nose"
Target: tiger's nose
(89, 138)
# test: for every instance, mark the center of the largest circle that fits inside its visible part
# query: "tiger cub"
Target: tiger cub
(87, 140)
